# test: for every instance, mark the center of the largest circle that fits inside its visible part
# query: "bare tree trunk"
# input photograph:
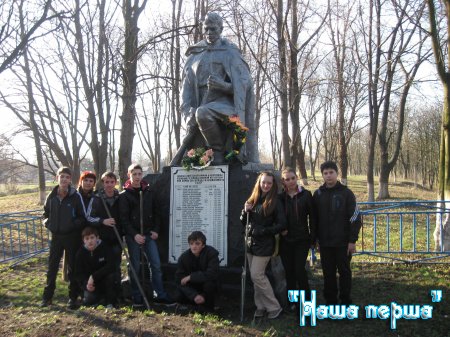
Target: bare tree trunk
(131, 14)
(175, 74)
(442, 230)
(99, 157)
(283, 87)
(373, 100)
(33, 124)
(387, 165)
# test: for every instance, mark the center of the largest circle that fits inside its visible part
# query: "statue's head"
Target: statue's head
(213, 26)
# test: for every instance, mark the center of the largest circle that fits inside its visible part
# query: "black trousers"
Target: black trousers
(294, 255)
(117, 256)
(188, 292)
(69, 243)
(104, 289)
(333, 258)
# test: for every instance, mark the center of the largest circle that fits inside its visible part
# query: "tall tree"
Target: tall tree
(441, 45)
(32, 118)
(175, 60)
(94, 66)
(406, 39)
(347, 80)
(131, 10)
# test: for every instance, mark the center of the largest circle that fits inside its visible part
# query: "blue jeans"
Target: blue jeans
(151, 251)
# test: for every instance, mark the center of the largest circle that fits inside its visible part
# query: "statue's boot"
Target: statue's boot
(219, 158)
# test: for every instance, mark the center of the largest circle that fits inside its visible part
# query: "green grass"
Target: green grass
(21, 289)
(378, 284)
(398, 190)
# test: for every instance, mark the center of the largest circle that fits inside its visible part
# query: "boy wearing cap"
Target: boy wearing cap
(64, 218)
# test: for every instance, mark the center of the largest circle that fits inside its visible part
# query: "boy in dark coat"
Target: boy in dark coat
(197, 274)
(94, 269)
(64, 217)
(338, 227)
(141, 239)
(104, 217)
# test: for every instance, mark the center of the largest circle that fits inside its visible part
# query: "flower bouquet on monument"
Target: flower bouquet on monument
(197, 159)
(239, 135)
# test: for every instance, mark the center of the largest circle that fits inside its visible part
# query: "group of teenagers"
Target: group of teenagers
(327, 220)
(89, 226)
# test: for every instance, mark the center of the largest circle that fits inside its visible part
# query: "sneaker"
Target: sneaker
(45, 303)
(167, 301)
(259, 313)
(274, 314)
(72, 304)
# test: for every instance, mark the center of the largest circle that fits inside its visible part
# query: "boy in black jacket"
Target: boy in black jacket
(105, 219)
(94, 269)
(64, 218)
(197, 274)
(141, 238)
(338, 227)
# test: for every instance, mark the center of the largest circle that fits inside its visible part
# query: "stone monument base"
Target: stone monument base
(240, 185)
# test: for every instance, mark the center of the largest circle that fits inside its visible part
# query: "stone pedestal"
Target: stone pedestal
(199, 202)
(240, 185)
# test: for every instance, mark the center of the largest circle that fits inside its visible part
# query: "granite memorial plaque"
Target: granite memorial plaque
(198, 201)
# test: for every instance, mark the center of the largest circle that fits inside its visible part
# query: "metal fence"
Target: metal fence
(22, 235)
(402, 230)
(399, 231)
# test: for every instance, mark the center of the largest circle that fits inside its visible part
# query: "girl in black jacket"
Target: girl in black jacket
(266, 218)
(300, 233)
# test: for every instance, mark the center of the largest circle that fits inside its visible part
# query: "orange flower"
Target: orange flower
(234, 119)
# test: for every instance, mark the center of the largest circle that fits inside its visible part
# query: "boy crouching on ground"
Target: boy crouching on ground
(94, 269)
(197, 275)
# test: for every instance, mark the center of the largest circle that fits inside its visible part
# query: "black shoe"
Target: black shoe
(45, 303)
(138, 305)
(167, 301)
(274, 314)
(72, 304)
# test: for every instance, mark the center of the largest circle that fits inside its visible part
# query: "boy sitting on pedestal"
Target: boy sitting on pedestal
(94, 269)
(197, 275)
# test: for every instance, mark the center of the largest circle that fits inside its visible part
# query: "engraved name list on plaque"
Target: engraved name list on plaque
(198, 201)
